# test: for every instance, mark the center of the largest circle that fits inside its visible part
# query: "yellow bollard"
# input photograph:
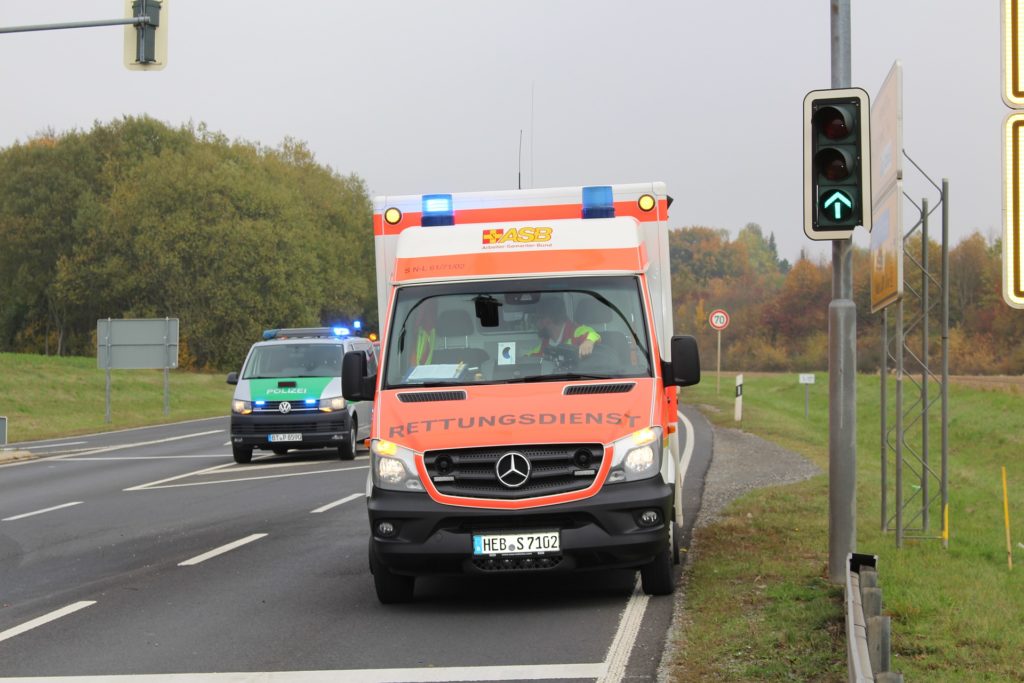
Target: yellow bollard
(1006, 518)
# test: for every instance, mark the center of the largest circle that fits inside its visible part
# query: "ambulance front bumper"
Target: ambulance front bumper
(601, 532)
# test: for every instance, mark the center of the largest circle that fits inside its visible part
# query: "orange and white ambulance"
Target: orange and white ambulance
(525, 406)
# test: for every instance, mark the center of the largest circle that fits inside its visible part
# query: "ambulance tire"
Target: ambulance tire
(658, 577)
(347, 449)
(243, 454)
(392, 589)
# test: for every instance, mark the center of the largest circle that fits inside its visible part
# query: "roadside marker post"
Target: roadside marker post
(807, 379)
(3, 431)
(738, 412)
(1006, 522)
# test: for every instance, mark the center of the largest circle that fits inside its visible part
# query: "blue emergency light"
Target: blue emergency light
(310, 401)
(437, 210)
(341, 331)
(598, 202)
(357, 324)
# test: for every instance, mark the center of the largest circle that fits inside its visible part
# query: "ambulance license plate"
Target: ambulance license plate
(275, 438)
(516, 544)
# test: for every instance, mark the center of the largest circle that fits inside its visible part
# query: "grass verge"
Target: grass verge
(47, 397)
(758, 603)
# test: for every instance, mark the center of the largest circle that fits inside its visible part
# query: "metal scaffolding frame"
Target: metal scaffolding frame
(913, 354)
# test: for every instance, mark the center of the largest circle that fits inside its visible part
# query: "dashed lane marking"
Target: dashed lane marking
(39, 512)
(221, 550)
(45, 619)
(336, 503)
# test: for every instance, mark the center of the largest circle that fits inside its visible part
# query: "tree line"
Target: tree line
(137, 219)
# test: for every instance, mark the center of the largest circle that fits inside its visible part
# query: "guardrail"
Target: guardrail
(868, 632)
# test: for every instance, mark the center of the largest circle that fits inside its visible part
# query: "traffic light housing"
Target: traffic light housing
(837, 163)
(145, 45)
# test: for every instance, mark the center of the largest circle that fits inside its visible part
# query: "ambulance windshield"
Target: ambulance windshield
(517, 331)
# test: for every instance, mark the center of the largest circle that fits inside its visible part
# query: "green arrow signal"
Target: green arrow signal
(836, 200)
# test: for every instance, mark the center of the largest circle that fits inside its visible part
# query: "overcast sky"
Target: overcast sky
(420, 97)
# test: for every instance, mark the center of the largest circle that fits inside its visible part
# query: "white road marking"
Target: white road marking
(39, 512)
(526, 672)
(52, 445)
(107, 449)
(684, 460)
(221, 550)
(144, 457)
(46, 618)
(158, 485)
(625, 637)
(336, 503)
(154, 484)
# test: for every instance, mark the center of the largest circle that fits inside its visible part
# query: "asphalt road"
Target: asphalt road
(150, 551)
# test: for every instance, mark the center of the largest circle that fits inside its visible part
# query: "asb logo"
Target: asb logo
(520, 235)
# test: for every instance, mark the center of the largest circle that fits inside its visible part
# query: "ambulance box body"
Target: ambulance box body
(525, 405)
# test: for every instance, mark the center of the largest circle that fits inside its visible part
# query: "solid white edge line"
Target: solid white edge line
(221, 550)
(625, 637)
(46, 618)
(525, 672)
(39, 512)
(20, 444)
(153, 487)
(336, 503)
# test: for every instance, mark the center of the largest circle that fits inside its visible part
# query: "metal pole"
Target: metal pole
(138, 21)
(899, 422)
(106, 342)
(925, 363)
(842, 537)
(718, 378)
(807, 399)
(167, 365)
(884, 377)
(944, 484)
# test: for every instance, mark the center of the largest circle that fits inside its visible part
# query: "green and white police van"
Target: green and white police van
(288, 394)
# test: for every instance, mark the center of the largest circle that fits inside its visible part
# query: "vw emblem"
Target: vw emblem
(513, 469)
(285, 407)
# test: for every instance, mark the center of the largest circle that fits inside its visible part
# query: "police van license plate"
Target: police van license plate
(275, 438)
(516, 544)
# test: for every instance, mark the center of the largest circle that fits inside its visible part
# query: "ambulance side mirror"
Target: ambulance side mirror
(685, 365)
(356, 385)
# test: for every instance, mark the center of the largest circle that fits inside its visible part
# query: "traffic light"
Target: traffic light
(145, 45)
(837, 163)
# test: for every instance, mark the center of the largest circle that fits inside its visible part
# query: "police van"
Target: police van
(288, 394)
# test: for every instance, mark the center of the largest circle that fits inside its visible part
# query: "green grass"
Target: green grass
(759, 605)
(45, 397)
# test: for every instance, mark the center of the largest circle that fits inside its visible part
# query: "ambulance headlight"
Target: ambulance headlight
(393, 467)
(638, 456)
(329, 404)
(241, 407)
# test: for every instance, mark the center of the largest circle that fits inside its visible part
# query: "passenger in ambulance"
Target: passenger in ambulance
(556, 329)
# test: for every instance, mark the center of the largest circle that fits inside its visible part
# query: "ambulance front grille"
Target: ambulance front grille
(554, 468)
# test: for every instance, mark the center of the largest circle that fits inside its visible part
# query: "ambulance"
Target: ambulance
(288, 395)
(525, 404)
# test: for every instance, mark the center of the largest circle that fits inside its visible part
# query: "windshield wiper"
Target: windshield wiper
(562, 376)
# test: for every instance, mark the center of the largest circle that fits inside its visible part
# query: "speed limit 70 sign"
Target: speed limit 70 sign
(718, 319)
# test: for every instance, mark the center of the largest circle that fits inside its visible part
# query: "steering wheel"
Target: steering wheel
(562, 355)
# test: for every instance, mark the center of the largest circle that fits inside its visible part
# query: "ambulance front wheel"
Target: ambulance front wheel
(347, 449)
(391, 588)
(658, 577)
(243, 454)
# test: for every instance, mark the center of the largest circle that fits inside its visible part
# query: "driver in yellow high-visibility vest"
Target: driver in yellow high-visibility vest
(426, 333)
(555, 328)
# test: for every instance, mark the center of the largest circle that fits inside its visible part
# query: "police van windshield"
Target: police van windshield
(294, 360)
(517, 331)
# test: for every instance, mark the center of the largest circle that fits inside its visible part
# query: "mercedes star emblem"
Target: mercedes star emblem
(513, 469)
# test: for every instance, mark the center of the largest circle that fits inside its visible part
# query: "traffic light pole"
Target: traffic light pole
(842, 355)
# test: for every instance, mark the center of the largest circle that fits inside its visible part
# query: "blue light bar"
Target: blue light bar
(269, 334)
(341, 331)
(598, 202)
(357, 324)
(437, 210)
(310, 401)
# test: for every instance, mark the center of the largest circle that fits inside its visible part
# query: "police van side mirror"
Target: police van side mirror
(355, 384)
(232, 378)
(685, 365)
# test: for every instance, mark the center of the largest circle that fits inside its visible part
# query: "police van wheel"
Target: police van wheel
(347, 449)
(243, 454)
(658, 577)
(279, 450)
(391, 588)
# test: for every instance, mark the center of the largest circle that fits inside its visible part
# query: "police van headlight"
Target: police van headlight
(329, 404)
(638, 456)
(241, 407)
(393, 467)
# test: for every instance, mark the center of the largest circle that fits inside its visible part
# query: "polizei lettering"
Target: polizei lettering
(511, 419)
